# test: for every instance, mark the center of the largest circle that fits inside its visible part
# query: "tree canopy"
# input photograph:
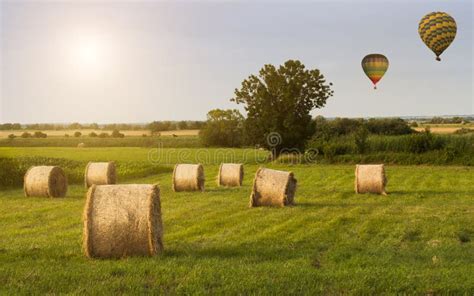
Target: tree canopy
(222, 128)
(278, 102)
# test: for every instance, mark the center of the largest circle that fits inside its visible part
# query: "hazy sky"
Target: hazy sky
(142, 61)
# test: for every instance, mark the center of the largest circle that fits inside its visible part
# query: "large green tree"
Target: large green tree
(278, 103)
(222, 128)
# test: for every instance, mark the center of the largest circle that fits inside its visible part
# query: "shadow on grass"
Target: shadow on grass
(226, 190)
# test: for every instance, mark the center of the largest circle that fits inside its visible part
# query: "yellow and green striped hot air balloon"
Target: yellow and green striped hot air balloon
(437, 30)
(375, 65)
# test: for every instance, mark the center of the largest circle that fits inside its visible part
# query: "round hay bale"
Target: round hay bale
(370, 178)
(188, 177)
(122, 220)
(49, 181)
(230, 174)
(81, 145)
(273, 188)
(100, 173)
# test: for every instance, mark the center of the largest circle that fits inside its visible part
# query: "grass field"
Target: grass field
(417, 240)
(161, 141)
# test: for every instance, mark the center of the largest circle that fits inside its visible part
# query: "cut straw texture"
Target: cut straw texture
(100, 173)
(122, 221)
(188, 177)
(230, 174)
(273, 188)
(370, 178)
(45, 181)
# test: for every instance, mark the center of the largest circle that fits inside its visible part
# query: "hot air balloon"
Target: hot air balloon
(375, 65)
(437, 30)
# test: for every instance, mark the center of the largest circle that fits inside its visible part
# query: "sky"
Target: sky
(134, 61)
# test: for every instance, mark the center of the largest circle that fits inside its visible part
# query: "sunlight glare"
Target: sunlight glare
(88, 54)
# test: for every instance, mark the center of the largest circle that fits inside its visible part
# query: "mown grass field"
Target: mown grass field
(161, 141)
(417, 240)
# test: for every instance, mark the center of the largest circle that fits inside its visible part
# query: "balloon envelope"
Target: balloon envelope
(437, 30)
(375, 65)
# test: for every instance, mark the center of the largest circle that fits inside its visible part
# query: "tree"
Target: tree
(361, 139)
(117, 134)
(94, 126)
(182, 125)
(16, 126)
(156, 127)
(25, 135)
(77, 134)
(75, 125)
(223, 128)
(6, 126)
(278, 104)
(40, 134)
(388, 126)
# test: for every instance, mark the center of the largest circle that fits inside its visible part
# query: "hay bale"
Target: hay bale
(230, 174)
(370, 178)
(49, 181)
(81, 145)
(188, 177)
(273, 188)
(122, 220)
(100, 173)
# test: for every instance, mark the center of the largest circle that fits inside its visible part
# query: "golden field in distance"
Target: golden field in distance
(86, 132)
(443, 128)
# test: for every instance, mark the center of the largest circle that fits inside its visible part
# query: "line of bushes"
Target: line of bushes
(414, 148)
(26, 135)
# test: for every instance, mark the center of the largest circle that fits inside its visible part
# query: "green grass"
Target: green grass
(131, 141)
(417, 240)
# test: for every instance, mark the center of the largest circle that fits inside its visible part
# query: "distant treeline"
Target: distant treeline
(154, 126)
(229, 130)
(326, 129)
(189, 124)
(451, 120)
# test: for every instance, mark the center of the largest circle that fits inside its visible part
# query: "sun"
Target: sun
(88, 54)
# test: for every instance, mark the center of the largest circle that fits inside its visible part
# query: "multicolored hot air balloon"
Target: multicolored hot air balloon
(375, 65)
(437, 30)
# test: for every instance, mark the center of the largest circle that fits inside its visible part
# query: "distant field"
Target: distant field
(86, 132)
(439, 129)
(443, 128)
(418, 240)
